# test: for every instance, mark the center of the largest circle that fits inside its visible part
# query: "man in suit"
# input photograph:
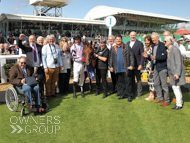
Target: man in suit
(137, 48)
(110, 45)
(33, 52)
(159, 66)
(18, 76)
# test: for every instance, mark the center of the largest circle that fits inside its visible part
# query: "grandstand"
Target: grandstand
(92, 24)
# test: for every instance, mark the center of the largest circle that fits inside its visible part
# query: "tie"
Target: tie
(24, 71)
(35, 55)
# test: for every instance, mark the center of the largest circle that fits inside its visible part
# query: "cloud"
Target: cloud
(187, 25)
(17, 8)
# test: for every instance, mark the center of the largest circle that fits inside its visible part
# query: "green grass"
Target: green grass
(97, 120)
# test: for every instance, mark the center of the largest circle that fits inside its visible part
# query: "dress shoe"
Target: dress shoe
(177, 108)
(129, 99)
(105, 95)
(97, 93)
(138, 97)
(82, 94)
(113, 92)
(158, 101)
(174, 100)
(55, 96)
(165, 104)
(122, 97)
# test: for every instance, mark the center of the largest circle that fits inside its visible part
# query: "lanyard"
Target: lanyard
(51, 50)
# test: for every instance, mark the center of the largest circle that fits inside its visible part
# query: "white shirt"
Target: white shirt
(188, 50)
(109, 45)
(182, 49)
(66, 61)
(132, 43)
(35, 64)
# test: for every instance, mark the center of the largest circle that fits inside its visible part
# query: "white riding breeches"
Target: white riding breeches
(78, 70)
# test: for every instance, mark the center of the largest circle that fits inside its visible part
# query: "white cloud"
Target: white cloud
(17, 7)
(187, 25)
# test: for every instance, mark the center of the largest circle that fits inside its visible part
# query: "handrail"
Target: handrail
(6, 41)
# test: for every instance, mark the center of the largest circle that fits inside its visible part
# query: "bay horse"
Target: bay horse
(88, 52)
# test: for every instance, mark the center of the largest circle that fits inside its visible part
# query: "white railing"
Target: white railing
(3, 59)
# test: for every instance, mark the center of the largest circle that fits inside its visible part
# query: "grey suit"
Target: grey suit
(175, 67)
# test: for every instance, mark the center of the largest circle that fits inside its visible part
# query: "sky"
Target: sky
(79, 8)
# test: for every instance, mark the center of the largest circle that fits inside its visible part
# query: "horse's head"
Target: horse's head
(88, 53)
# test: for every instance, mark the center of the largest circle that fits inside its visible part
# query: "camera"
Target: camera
(55, 60)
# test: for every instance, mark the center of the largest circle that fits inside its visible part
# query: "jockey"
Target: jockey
(78, 65)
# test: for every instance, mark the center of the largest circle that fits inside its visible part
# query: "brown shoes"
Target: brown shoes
(165, 104)
(158, 101)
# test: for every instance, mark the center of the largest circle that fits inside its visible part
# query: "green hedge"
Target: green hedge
(7, 68)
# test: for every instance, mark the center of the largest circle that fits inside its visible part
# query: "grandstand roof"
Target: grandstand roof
(49, 19)
(104, 11)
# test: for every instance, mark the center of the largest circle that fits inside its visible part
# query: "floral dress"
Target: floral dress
(148, 69)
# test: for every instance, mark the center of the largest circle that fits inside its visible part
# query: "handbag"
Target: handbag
(31, 81)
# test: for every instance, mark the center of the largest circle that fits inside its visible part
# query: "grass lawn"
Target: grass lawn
(97, 120)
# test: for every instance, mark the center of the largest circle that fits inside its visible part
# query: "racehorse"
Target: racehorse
(89, 58)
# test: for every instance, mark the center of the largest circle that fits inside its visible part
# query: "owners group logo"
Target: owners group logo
(28, 125)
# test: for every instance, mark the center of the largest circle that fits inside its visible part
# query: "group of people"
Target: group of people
(6, 49)
(51, 63)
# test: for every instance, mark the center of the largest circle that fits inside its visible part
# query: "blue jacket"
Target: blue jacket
(161, 57)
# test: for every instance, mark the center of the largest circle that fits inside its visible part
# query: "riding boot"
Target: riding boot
(74, 90)
(82, 94)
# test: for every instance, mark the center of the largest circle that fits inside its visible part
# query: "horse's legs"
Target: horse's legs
(90, 86)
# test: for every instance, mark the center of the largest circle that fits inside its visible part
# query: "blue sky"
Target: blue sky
(79, 8)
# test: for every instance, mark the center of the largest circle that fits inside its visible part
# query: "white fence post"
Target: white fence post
(3, 76)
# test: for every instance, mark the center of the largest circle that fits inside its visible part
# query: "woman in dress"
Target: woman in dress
(148, 50)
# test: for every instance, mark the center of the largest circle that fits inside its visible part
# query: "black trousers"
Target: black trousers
(101, 74)
(64, 81)
(125, 87)
(40, 77)
(114, 81)
(138, 88)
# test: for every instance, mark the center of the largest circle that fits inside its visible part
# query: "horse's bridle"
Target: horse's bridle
(91, 56)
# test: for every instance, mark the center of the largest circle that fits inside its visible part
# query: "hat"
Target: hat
(180, 39)
(77, 36)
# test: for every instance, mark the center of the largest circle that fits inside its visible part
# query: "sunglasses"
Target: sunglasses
(23, 63)
(62, 40)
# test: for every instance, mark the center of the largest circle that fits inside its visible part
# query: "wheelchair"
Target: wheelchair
(13, 97)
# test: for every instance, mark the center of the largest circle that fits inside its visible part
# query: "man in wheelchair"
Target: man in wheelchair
(18, 75)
